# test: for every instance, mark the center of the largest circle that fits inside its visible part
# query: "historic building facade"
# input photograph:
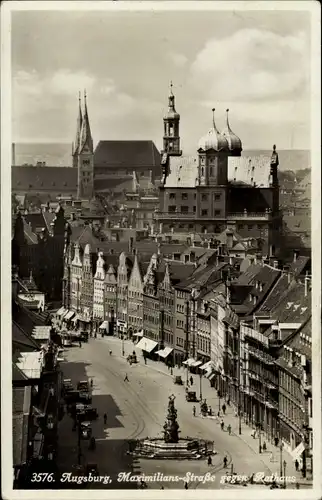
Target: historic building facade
(99, 288)
(135, 298)
(218, 188)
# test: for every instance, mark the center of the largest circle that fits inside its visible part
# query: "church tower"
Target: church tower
(84, 155)
(171, 135)
(78, 134)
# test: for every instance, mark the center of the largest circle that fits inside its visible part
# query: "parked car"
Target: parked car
(178, 380)
(191, 396)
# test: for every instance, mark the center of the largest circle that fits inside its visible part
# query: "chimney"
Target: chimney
(306, 283)
(131, 244)
(230, 241)
(295, 255)
(275, 264)
(13, 154)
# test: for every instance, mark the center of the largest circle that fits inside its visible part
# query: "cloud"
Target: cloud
(179, 60)
(252, 64)
(66, 82)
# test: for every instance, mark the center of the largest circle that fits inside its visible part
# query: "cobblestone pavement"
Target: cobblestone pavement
(138, 408)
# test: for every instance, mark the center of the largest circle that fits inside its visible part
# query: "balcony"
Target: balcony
(262, 356)
(174, 215)
(246, 331)
(250, 216)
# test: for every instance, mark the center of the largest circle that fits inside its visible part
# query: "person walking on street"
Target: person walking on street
(110, 353)
(229, 429)
(296, 463)
(80, 343)
(225, 462)
(223, 408)
(222, 424)
(191, 380)
(186, 485)
(105, 418)
(126, 378)
(194, 411)
(209, 460)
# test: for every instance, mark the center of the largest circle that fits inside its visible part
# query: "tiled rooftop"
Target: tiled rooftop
(254, 170)
(31, 363)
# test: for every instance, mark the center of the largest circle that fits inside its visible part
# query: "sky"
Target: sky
(257, 64)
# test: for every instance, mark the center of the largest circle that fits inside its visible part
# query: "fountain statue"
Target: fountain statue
(171, 426)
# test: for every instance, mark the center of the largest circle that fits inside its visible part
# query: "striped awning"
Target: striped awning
(207, 365)
(104, 325)
(69, 315)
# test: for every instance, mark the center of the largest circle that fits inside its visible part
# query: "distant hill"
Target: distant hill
(59, 155)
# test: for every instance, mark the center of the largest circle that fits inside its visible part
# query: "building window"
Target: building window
(184, 196)
(190, 226)
(184, 209)
(217, 212)
(217, 197)
(194, 209)
(172, 196)
(85, 162)
(172, 208)
(202, 171)
(204, 197)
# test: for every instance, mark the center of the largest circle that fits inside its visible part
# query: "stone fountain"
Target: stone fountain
(171, 446)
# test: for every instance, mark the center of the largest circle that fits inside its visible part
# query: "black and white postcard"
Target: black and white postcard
(161, 260)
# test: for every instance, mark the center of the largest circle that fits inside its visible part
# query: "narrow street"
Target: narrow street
(137, 408)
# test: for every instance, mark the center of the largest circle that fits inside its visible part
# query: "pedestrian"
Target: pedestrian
(210, 411)
(145, 359)
(218, 414)
(126, 378)
(229, 429)
(276, 441)
(91, 382)
(186, 485)
(223, 408)
(110, 353)
(194, 411)
(260, 448)
(296, 463)
(297, 485)
(222, 424)
(209, 460)
(162, 488)
(225, 461)
(105, 418)
(228, 402)
(264, 446)
(191, 380)
(80, 343)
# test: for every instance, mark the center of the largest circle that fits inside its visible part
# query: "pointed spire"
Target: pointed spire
(86, 136)
(213, 120)
(171, 100)
(227, 120)
(79, 126)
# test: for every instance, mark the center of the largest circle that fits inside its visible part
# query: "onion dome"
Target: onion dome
(171, 114)
(213, 139)
(233, 140)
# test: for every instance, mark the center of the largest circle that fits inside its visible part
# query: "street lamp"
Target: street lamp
(200, 374)
(260, 439)
(281, 458)
(123, 344)
(284, 467)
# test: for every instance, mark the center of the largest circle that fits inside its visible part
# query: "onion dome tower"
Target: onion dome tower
(213, 150)
(171, 122)
(234, 143)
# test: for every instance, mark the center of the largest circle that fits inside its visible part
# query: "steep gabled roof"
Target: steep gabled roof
(127, 154)
(41, 178)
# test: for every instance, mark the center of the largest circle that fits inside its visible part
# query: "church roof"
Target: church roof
(127, 154)
(55, 178)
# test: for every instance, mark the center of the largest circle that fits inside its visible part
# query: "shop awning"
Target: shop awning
(61, 311)
(76, 318)
(189, 362)
(212, 375)
(206, 365)
(69, 315)
(138, 334)
(164, 353)
(147, 344)
(195, 364)
(104, 325)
